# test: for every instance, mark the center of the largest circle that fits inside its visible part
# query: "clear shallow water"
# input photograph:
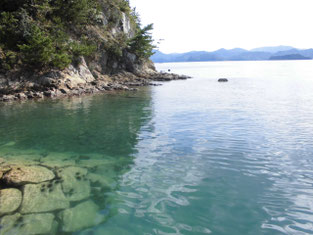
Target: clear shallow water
(188, 157)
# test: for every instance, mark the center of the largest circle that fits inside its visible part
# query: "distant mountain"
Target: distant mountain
(273, 49)
(236, 54)
(290, 57)
(251, 55)
(306, 53)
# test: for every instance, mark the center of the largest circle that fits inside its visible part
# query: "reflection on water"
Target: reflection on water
(189, 157)
(79, 147)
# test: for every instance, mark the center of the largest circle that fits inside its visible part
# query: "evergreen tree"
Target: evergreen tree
(142, 44)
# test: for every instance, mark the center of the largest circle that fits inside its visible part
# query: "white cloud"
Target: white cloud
(188, 25)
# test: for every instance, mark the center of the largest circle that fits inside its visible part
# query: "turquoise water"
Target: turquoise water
(189, 157)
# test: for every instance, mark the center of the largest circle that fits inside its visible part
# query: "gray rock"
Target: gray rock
(8, 98)
(10, 200)
(43, 197)
(82, 216)
(222, 80)
(21, 175)
(38, 95)
(75, 185)
(21, 96)
(48, 93)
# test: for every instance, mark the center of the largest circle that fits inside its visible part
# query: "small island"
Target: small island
(290, 57)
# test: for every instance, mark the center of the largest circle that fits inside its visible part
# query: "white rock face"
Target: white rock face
(126, 24)
(10, 200)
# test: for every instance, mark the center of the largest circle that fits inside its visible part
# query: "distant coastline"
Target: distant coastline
(236, 54)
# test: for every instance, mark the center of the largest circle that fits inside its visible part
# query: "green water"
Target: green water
(189, 157)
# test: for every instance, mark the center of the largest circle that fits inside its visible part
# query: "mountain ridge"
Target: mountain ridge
(235, 54)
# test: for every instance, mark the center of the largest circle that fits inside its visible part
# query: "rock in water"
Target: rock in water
(37, 224)
(82, 216)
(223, 80)
(30, 224)
(75, 185)
(7, 224)
(43, 198)
(10, 200)
(21, 175)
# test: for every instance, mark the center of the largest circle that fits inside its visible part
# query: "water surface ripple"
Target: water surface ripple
(203, 157)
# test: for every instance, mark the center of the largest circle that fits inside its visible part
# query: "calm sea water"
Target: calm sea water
(188, 157)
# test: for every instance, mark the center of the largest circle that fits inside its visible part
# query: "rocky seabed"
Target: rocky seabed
(53, 195)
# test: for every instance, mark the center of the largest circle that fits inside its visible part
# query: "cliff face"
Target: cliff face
(61, 53)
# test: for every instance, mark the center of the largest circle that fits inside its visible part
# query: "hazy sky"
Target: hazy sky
(187, 25)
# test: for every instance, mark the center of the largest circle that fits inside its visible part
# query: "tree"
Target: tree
(142, 43)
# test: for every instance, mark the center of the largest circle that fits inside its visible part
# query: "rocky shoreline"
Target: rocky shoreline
(75, 82)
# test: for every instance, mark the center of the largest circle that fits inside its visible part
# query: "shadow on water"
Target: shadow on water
(87, 142)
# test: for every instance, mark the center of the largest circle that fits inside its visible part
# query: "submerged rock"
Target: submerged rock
(37, 224)
(82, 216)
(43, 197)
(75, 185)
(30, 224)
(10, 200)
(21, 175)
(98, 179)
(8, 224)
(58, 163)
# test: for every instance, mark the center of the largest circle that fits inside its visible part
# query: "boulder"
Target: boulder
(21, 96)
(21, 175)
(8, 97)
(10, 200)
(222, 80)
(43, 197)
(82, 216)
(75, 184)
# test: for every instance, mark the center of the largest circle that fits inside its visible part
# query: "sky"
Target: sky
(208, 25)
